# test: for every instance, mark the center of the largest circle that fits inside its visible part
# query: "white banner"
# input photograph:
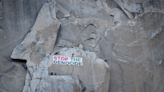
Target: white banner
(62, 60)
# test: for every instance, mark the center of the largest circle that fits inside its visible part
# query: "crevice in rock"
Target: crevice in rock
(58, 36)
(19, 60)
(88, 26)
(115, 23)
(24, 66)
(119, 7)
(89, 39)
(128, 15)
(1, 28)
(111, 15)
(125, 11)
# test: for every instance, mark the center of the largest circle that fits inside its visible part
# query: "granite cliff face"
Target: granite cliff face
(16, 19)
(128, 33)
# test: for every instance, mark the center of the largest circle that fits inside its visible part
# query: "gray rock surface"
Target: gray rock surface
(94, 75)
(40, 41)
(12, 76)
(59, 84)
(126, 32)
(16, 19)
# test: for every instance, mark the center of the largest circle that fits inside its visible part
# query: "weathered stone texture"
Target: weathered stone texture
(12, 76)
(16, 19)
(94, 75)
(128, 33)
(39, 43)
(59, 84)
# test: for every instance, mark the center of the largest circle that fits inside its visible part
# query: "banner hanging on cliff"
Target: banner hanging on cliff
(62, 60)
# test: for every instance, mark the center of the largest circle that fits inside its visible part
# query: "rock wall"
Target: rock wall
(59, 84)
(128, 33)
(16, 19)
